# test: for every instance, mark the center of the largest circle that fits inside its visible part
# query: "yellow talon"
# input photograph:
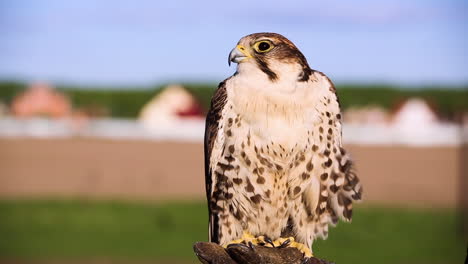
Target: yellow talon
(247, 237)
(301, 247)
(281, 240)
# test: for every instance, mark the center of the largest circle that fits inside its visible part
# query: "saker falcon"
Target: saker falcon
(274, 162)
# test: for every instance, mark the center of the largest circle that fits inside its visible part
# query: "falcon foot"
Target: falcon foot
(249, 239)
(289, 242)
(211, 253)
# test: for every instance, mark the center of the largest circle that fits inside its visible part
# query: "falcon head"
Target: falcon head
(271, 53)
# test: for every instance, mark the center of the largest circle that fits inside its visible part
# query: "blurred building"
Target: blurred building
(407, 113)
(366, 115)
(171, 106)
(416, 121)
(414, 113)
(41, 99)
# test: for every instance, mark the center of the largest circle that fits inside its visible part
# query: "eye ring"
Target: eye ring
(263, 46)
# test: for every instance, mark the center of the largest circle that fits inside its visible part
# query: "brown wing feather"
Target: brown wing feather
(351, 189)
(339, 184)
(211, 129)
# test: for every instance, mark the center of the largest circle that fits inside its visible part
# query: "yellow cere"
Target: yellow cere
(244, 51)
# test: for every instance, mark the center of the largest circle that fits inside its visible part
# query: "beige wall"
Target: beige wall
(155, 170)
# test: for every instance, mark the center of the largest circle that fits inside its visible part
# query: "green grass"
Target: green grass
(78, 229)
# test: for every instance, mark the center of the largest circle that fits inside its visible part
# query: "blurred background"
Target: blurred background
(102, 107)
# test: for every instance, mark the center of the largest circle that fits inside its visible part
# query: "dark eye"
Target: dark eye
(264, 46)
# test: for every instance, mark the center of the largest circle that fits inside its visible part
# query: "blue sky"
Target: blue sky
(110, 42)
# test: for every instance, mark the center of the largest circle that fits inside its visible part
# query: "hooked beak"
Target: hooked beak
(238, 54)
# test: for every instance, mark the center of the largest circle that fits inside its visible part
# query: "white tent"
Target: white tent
(414, 114)
(170, 107)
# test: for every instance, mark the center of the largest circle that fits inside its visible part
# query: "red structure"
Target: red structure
(41, 100)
